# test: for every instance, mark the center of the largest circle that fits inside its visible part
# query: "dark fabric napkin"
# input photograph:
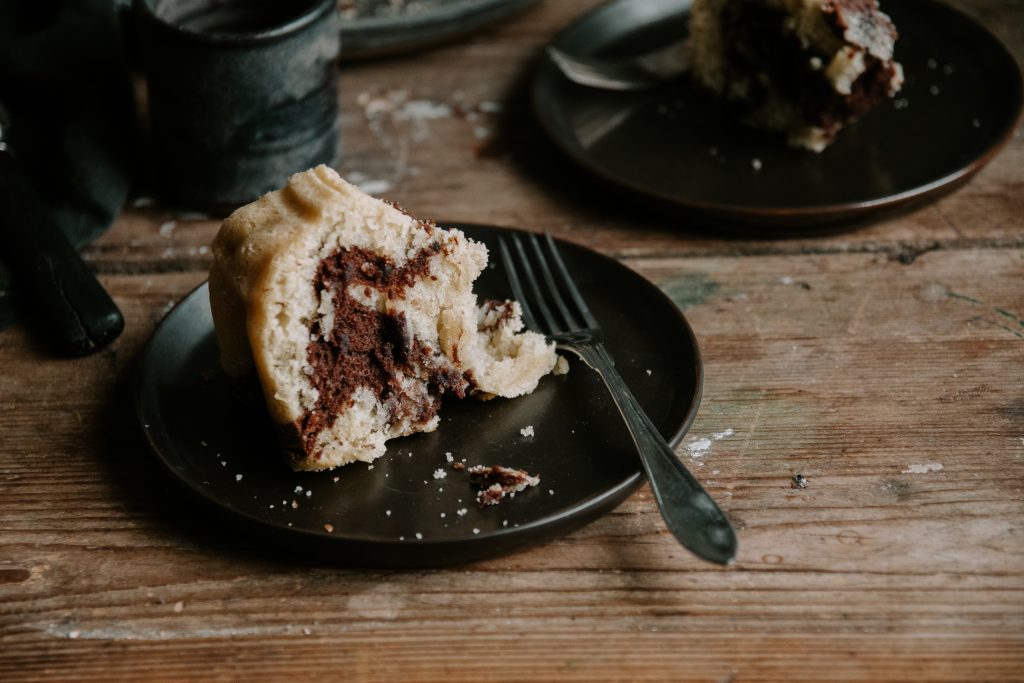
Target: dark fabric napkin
(65, 82)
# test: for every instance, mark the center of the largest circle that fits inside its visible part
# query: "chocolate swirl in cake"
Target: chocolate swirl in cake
(369, 348)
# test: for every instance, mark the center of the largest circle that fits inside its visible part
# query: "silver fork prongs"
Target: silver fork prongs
(552, 304)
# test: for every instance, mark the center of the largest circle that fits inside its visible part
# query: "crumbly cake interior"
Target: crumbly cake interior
(805, 68)
(358, 318)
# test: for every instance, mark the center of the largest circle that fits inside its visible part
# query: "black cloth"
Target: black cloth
(64, 80)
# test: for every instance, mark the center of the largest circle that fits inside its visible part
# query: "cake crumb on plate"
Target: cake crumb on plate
(496, 482)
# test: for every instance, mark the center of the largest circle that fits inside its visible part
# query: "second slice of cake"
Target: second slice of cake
(805, 68)
(358, 318)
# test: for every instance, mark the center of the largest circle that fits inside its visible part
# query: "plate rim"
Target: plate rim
(378, 37)
(543, 529)
(817, 213)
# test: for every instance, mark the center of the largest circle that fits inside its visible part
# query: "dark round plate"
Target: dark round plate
(679, 147)
(372, 28)
(223, 448)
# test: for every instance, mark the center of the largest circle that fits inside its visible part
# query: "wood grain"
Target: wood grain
(861, 360)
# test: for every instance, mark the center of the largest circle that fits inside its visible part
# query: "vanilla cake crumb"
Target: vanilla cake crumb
(440, 473)
(527, 431)
(923, 468)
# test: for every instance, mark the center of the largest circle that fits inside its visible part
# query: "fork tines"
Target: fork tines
(554, 295)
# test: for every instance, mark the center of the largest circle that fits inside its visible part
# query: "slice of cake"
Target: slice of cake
(805, 68)
(357, 318)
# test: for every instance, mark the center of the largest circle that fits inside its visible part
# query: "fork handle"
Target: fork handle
(690, 513)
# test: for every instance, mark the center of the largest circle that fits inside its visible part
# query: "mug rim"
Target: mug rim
(316, 11)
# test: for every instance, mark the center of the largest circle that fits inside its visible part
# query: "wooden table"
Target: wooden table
(885, 364)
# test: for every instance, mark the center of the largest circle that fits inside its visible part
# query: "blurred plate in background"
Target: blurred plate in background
(678, 147)
(371, 28)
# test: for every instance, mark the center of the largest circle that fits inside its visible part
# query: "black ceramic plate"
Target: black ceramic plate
(371, 28)
(223, 448)
(679, 147)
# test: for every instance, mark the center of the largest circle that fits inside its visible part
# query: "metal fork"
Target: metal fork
(690, 513)
(633, 73)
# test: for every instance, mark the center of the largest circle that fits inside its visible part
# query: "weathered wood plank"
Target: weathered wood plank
(848, 368)
(588, 655)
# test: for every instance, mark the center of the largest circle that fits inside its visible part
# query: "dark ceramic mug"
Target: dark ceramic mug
(241, 94)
